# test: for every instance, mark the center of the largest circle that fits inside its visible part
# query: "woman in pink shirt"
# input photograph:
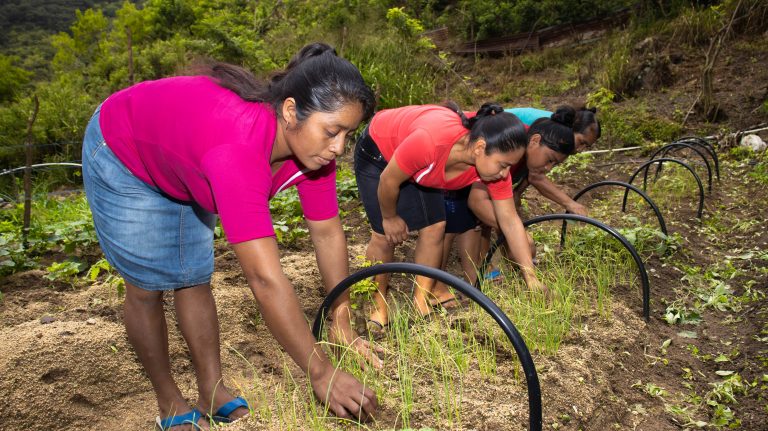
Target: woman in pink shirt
(407, 157)
(162, 158)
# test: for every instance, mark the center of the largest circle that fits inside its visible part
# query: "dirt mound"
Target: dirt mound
(65, 372)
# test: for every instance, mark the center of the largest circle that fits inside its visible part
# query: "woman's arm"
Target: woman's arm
(391, 178)
(480, 203)
(549, 190)
(518, 192)
(333, 262)
(517, 241)
(279, 306)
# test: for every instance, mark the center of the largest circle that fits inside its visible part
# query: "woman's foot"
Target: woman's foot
(188, 420)
(220, 398)
(422, 305)
(455, 301)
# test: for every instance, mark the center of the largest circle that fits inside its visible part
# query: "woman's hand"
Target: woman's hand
(344, 395)
(535, 285)
(341, 335)
(395, 229)
(577, 208)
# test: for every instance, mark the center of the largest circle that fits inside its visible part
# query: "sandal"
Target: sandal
(457, 301)
(222, 414)
(493, 276)
(377, 329)
(189, 418)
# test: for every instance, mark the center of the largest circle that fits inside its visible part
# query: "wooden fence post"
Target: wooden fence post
(28, 174)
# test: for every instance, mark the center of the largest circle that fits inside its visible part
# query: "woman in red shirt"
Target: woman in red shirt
(403, 162)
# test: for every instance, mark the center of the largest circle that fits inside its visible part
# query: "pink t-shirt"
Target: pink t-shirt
(197, 141)
(420, 138)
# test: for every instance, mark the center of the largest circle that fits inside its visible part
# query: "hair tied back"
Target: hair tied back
(564, 115)
(489, 109)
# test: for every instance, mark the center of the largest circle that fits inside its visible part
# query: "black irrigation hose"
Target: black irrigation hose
(662, 224)
(630, 248)
(532, 379)
(703, 143)
(662, 160)
(667, 148)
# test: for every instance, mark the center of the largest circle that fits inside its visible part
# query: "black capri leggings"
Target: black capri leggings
(417, 205)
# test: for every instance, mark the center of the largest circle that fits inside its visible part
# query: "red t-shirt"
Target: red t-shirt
(421, 137)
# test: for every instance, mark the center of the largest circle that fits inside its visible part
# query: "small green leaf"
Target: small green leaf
(722, 358)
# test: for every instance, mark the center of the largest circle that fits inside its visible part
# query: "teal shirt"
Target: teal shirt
(529, 115)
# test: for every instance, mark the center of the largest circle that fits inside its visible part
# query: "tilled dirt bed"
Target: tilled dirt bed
(66, 364)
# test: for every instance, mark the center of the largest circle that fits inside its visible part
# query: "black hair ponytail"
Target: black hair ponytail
(554, 134)
(305, 53)
(585, 118)
(564, 115)
(317, 78)
(502, 131)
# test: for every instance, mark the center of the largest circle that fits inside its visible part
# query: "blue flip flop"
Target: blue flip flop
(190, 417)
(222, 414)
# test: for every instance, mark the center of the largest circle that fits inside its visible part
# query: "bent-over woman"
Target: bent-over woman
(552, 137)
(162, 158)
(404, 161)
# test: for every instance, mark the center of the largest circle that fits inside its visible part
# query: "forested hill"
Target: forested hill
(26, 27)
(71, 61)
(51, 16)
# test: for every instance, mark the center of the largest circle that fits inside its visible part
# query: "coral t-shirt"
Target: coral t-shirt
(420, 138)
(199, 142)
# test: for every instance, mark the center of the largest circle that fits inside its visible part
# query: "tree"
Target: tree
(12, 79)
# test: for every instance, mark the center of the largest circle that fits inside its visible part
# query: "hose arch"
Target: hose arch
(703, 143)
(529, 369)
(667, 148)
(631, 249)
(662, 160)
(659, 217)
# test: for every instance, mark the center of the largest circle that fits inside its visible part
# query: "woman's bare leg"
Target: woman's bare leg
(148, 334)
(380, 250)
(199, 324)
(429, 252)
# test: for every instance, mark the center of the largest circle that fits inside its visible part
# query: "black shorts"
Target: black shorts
(459, 218)
(417, 205)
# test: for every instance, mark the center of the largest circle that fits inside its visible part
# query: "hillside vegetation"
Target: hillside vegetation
(699, 362)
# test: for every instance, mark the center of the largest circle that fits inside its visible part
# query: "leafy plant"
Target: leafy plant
(64, 271)
(574, 163)
(679, 314)
(113, 279)
(287, 216)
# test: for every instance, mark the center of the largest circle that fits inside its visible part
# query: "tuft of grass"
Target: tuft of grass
(582, 278)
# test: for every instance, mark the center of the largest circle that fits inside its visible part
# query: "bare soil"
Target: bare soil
(66, 364)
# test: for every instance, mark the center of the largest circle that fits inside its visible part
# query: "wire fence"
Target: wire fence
(50, 144)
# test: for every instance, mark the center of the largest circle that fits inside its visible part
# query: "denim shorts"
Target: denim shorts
(152, 240)
(459, 218)
(417, 205)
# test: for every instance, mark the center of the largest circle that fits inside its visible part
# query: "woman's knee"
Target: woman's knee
(433, 233)
(136, 296)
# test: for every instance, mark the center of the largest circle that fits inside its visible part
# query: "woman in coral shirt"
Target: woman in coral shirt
(404, 161)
